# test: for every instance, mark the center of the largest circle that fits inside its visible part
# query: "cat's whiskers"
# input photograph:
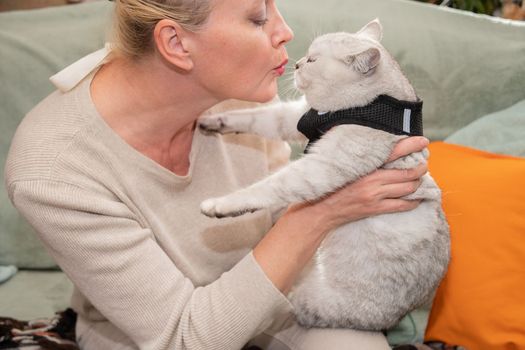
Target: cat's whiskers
(288, 92)
(287, 78)
(289, 83)
(295, 94)
(290, 75)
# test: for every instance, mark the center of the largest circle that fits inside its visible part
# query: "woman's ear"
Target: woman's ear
(170, 39)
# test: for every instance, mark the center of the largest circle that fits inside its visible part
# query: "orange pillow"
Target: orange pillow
(480, 304)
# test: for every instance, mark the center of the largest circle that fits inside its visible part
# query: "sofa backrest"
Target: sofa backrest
(462, 65)
(35, 44)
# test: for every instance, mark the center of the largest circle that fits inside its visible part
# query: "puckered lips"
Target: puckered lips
(281, 68)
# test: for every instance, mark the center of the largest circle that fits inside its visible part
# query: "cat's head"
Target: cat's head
(344, 70)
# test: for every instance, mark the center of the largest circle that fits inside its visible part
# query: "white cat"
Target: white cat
(369, 273)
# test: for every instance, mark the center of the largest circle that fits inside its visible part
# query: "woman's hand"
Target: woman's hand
(378, 192)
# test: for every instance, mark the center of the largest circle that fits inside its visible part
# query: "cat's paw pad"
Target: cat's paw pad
(217, 208)
(214, 124)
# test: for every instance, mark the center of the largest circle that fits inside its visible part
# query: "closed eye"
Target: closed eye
(310, 60)
(260, 22)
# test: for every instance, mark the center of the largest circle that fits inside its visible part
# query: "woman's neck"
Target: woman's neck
(152, 108)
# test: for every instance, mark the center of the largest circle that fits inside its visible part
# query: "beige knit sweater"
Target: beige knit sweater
(129, 233)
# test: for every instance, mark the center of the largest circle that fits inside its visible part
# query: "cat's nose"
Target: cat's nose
(300, 63)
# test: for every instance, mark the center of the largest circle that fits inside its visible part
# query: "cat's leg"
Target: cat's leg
(343, 155)
(275, 121)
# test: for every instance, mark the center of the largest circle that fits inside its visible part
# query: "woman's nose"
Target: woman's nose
(283, 33)
(287, 32)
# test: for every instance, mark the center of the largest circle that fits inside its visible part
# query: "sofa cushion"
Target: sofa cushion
(479, 304)
(501, 132)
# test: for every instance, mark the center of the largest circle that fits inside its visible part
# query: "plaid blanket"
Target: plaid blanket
(55, 333)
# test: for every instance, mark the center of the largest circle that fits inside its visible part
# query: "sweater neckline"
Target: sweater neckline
(118, 143)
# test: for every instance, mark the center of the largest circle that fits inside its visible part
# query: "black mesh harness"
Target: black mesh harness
(384, 113)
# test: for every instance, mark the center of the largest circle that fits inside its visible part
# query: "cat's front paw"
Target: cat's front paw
(216, 123)
(220, 208)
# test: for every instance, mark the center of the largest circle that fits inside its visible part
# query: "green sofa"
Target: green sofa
(464, 66)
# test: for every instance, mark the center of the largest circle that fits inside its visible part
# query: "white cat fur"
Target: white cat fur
(369, 273)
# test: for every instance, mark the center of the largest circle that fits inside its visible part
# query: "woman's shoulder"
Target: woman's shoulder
(44, 133)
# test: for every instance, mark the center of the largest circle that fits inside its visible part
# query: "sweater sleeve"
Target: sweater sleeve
(117, 264)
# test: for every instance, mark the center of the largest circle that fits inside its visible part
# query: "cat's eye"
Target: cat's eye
(310, 60)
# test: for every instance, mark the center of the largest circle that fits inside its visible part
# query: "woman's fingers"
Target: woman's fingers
(407, 146)
(379, 192)
(400, 189)
(391, 176)
(397, 205)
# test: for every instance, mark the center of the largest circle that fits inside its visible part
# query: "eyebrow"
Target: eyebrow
(258, 2)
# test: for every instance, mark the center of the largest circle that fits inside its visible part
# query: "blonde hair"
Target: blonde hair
(135, 20)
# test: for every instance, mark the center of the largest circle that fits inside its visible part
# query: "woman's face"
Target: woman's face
(240, 50)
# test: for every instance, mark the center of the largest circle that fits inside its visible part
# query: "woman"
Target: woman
(111, 174)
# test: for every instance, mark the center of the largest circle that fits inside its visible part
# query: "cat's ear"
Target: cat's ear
(373, 30)
(365, 61)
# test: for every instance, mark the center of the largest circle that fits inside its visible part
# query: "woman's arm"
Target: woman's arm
(118, 265)
(291, 243)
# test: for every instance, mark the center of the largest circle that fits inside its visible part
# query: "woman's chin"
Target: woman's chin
(267, 98)
(263, 92)
(264, 96)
